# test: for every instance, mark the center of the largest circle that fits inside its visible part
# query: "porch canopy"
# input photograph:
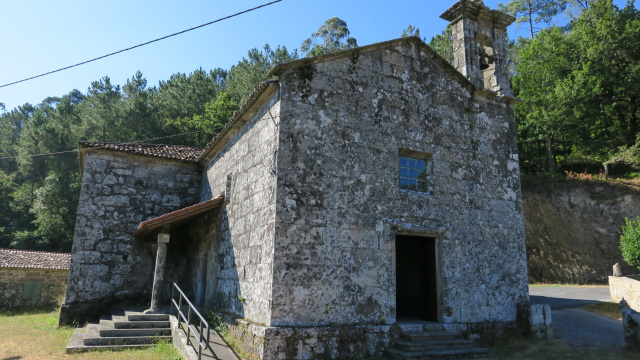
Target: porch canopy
(155, 225)
(161, 225)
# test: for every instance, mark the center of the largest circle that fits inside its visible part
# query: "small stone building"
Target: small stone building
(30, 279)
(353, 192)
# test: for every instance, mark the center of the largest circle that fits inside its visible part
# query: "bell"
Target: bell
(484, 65)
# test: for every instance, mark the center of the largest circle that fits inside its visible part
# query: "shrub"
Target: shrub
(630, 242)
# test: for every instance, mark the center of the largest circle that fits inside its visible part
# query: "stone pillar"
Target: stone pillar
(158, 277)
(617, 270)
(536, 320)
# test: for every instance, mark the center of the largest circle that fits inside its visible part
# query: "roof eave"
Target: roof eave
(177, 217)
(262, 92)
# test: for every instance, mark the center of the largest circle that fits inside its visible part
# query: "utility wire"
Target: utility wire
(143, 44)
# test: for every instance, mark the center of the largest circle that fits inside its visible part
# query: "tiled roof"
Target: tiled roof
(175, 152)
(10, 258)
(176, 217)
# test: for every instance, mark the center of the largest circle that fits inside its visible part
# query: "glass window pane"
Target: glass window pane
(414, 173)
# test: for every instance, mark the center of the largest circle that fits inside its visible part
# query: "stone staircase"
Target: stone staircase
(128, 329)
(425, 340)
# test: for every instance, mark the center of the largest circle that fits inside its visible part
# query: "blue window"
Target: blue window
(415, 172)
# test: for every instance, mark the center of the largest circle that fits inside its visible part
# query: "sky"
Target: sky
(38, 36)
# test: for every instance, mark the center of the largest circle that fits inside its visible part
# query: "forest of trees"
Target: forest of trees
(578, 84)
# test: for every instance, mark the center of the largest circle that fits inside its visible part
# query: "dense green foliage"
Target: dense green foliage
(39, 172)
(630, 242)
(580, 92)
(443, 44)
(332, 36)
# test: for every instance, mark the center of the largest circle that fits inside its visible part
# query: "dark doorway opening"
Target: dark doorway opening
(416, 294)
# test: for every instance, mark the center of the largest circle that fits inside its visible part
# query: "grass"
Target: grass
(35, 335)
(610, 310)
(234, 343)
(523, 348)
(566, 285)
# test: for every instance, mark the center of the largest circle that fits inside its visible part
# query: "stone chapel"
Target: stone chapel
(353, 192)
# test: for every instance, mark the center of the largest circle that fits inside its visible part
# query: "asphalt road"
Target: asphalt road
(564, 297)
(578, 327)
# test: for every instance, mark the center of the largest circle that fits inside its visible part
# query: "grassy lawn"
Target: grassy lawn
(566, 285)
(536, 349)
(35, 335)
(610, 310)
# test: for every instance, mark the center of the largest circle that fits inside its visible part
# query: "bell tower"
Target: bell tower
(479, 44)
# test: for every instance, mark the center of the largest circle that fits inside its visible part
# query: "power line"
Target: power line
(143, 44)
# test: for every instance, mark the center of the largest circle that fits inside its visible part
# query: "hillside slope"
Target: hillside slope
(573, 228)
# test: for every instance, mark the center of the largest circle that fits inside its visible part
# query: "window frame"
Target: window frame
(31, 290)
(422, 164)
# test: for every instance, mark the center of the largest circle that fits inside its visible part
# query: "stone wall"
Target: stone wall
(237, 245)
(625, 289)
(12, 282)
(573, 230)
(343, 124)
(118, 192)
(324, 342)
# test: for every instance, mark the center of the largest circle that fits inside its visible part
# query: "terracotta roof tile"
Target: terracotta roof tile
(175, 152)
(176, 217)
(10, 258)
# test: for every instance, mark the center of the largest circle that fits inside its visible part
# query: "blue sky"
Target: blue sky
(38, 36)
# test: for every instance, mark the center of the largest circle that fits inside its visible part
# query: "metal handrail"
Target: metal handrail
(187, 320)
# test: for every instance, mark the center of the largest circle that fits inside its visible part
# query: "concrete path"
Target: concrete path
(578, 327)
(217, 350)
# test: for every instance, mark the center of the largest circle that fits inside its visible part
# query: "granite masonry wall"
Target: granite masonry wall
(12, 286)
(239, 241)
(339, 206)
(119, 191)
(625, 289)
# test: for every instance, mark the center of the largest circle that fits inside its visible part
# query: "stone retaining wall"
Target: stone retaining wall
(625, 289)
(12, 287)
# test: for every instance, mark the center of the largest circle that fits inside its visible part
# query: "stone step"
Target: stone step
(120, 322)
(133, 340)
(420, 326)
(139, 316)
(107, 329)
(433, 344)
(432, 326)
(76, 345)
(92, 337)
(467, 353)
(135, 332)
(140, 324)
(427, 335)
